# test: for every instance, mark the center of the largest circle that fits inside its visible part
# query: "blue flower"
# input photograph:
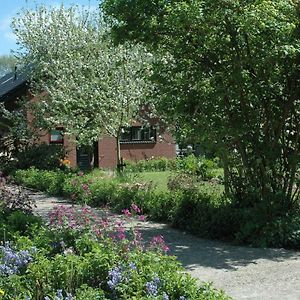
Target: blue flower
(182, 298)
(132, 266)
(69, 297)
(156, 280)
(115, 277)
(59, 295)
(151, 288)
(165, 296)
(12, 261)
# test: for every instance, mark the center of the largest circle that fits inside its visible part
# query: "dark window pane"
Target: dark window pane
(137, 133)
(125, 135)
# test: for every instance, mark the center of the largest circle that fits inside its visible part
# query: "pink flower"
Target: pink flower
(142, 218)
(126, 212)
(158, 242)
(85, 187)
(136, 208)
(121, 236)
(165, 248)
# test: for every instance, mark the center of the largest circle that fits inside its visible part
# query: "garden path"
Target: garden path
(242, 272)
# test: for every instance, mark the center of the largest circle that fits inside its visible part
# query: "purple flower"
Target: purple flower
(126, 212)
(141, 218)
(115, 277)
(182, 298)
(165, 296)
(132, 266)
(151, 288)
(136, 208)
(12, 261)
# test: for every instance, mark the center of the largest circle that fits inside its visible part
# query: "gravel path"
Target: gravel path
(242, 272)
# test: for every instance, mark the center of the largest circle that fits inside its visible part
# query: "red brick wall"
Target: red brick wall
(70, 146)
(135, 151)
(164, 146)
(107, 152)
(43, 136)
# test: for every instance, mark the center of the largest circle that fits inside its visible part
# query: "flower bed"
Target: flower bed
(205, 213)
(79, 255)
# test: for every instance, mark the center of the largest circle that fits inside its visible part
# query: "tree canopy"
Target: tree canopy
(93, 87)
(229, 72)
(7, 64)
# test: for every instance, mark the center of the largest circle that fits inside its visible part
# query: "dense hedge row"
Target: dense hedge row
(208, 215)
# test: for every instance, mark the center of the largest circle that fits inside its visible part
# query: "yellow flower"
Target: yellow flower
(2, 292)
(65, 162)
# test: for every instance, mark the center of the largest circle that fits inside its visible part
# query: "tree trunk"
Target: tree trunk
(226, 173)
(119, 159)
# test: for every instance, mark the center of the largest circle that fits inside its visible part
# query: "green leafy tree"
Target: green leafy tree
(7, 64)
(228, 73)
(92, 86)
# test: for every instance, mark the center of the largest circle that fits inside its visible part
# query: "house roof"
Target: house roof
(11, 82)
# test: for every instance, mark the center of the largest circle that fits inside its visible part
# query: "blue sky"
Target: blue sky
(9, 8)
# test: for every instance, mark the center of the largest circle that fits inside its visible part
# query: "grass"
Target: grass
(160, 181)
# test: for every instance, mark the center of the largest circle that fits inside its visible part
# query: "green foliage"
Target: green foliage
(77, 253)
(190, 164)
(153, 164)
(7, 64)
(227, 72)
(202, 210)
(43, 156)
(48, 181)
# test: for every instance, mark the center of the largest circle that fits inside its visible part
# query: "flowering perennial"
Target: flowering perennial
(13, 261)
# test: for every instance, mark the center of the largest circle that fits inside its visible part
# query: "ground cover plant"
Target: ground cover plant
(79, 255)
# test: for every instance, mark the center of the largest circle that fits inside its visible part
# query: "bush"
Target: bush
(101, 260)
(200, 166)
(51, 182)
(43, 157)
(183, 182)
(153, 164)
(207, 214)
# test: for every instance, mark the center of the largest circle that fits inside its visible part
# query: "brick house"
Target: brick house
(136, 143)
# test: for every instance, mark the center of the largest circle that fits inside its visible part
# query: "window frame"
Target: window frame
(56, 142)
(131, 132)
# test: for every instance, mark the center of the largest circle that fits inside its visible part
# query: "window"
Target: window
(138, 134)
(56, 136)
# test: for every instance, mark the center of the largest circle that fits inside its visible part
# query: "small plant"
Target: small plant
(12, 261)
(183, 182)
(15, 199)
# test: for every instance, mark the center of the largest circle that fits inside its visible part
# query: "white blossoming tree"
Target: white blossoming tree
(92, 86)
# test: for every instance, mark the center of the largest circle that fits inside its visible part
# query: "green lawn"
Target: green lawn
(160, 180)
